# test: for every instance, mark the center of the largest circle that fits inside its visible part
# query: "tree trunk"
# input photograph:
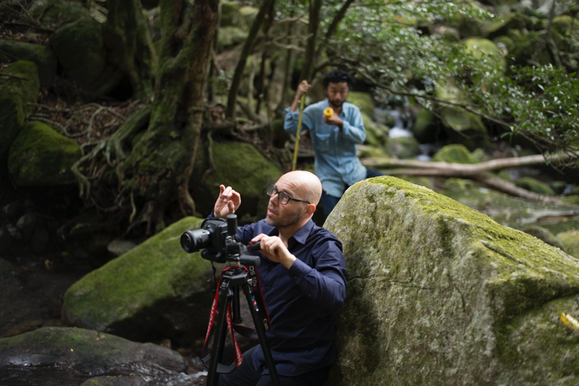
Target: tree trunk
(159, 167)
(130, 47)
(313, 26)
(247, 46)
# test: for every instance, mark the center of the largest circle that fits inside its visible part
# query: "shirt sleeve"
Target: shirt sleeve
(353, 127)
(325, 283)
(290, 123)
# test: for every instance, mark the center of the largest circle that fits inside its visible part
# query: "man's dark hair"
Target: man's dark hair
(337, 76)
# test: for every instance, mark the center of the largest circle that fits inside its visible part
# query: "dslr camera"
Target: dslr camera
(218, 242)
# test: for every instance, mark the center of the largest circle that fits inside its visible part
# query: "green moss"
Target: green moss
(362, 100)
(42, 56)
(455, 153)
(534, 185)
(438, 282)
(569, 242)
(40, 156)
(152, 272)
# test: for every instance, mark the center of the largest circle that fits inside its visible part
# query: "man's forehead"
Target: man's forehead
(338, 85)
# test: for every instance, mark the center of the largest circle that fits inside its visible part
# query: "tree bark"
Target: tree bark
(160, 165)
(130, 47)
(313, 26)
(247, 46)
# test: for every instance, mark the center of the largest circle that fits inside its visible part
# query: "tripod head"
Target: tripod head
(218, 240)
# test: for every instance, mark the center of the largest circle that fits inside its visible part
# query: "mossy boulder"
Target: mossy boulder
(425, 128)
(440, 294)
(16, 90)
(42, 56)
(53, 354)
(402, 147)
(535, 185)
(542, 234)
(79, 47)
(41, 156)
(460, 125)
(235, 164)
(131, 295)
(455, 153)
(486, 49)
(376, 133)
(362, 100)
(569, 242)
(58, 12)
(566, 25)
(232, 17)
(231, 35)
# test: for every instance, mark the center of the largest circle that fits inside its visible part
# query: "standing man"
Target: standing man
(302, 280)
(334, 138)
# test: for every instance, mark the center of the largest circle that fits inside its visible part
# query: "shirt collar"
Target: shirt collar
(300, 236)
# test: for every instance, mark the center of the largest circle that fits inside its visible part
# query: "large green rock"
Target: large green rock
(486, 49)
(569, 241)
(362, 100)
(235, 164)
(41, 156)
(440, 294)
(129, 295)
(79, 47)
(19, 87)
(42, 56)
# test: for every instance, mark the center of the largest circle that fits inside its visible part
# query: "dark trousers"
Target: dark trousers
(329, 202)
(247, 375)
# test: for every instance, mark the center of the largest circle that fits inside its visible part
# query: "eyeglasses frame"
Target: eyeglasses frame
(277, 192)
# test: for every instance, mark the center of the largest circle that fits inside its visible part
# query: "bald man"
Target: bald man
(302, 279)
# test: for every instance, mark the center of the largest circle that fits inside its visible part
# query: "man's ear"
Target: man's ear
(310, 209)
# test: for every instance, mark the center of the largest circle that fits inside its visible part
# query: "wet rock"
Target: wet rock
(65, 353)
(129, 295)
(40, 156)
(438, 292)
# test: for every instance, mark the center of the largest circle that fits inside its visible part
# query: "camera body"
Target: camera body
(217, 240)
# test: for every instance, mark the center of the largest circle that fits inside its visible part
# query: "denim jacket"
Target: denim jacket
(336, 162)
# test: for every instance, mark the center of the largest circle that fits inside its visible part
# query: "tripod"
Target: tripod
(234, 278)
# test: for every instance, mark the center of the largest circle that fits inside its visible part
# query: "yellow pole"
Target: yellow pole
(295, 160)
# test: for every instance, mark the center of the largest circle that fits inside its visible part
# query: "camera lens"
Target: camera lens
(194, 240)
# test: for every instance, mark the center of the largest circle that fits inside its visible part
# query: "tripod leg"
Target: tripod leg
(224, 298)
(260, 329)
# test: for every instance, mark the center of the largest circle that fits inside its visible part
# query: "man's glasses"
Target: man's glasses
(282, 197)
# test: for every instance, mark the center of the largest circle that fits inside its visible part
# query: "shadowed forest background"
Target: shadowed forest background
(120, 117)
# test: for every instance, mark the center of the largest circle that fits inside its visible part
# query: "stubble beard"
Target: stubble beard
(285, 221)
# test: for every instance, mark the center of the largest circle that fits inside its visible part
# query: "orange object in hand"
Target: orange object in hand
(329, 112)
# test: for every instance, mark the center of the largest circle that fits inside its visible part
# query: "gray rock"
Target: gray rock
(26, 225)
(440, 294)
(49, 351)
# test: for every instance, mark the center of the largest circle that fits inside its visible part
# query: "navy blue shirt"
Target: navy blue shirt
(300, 301)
